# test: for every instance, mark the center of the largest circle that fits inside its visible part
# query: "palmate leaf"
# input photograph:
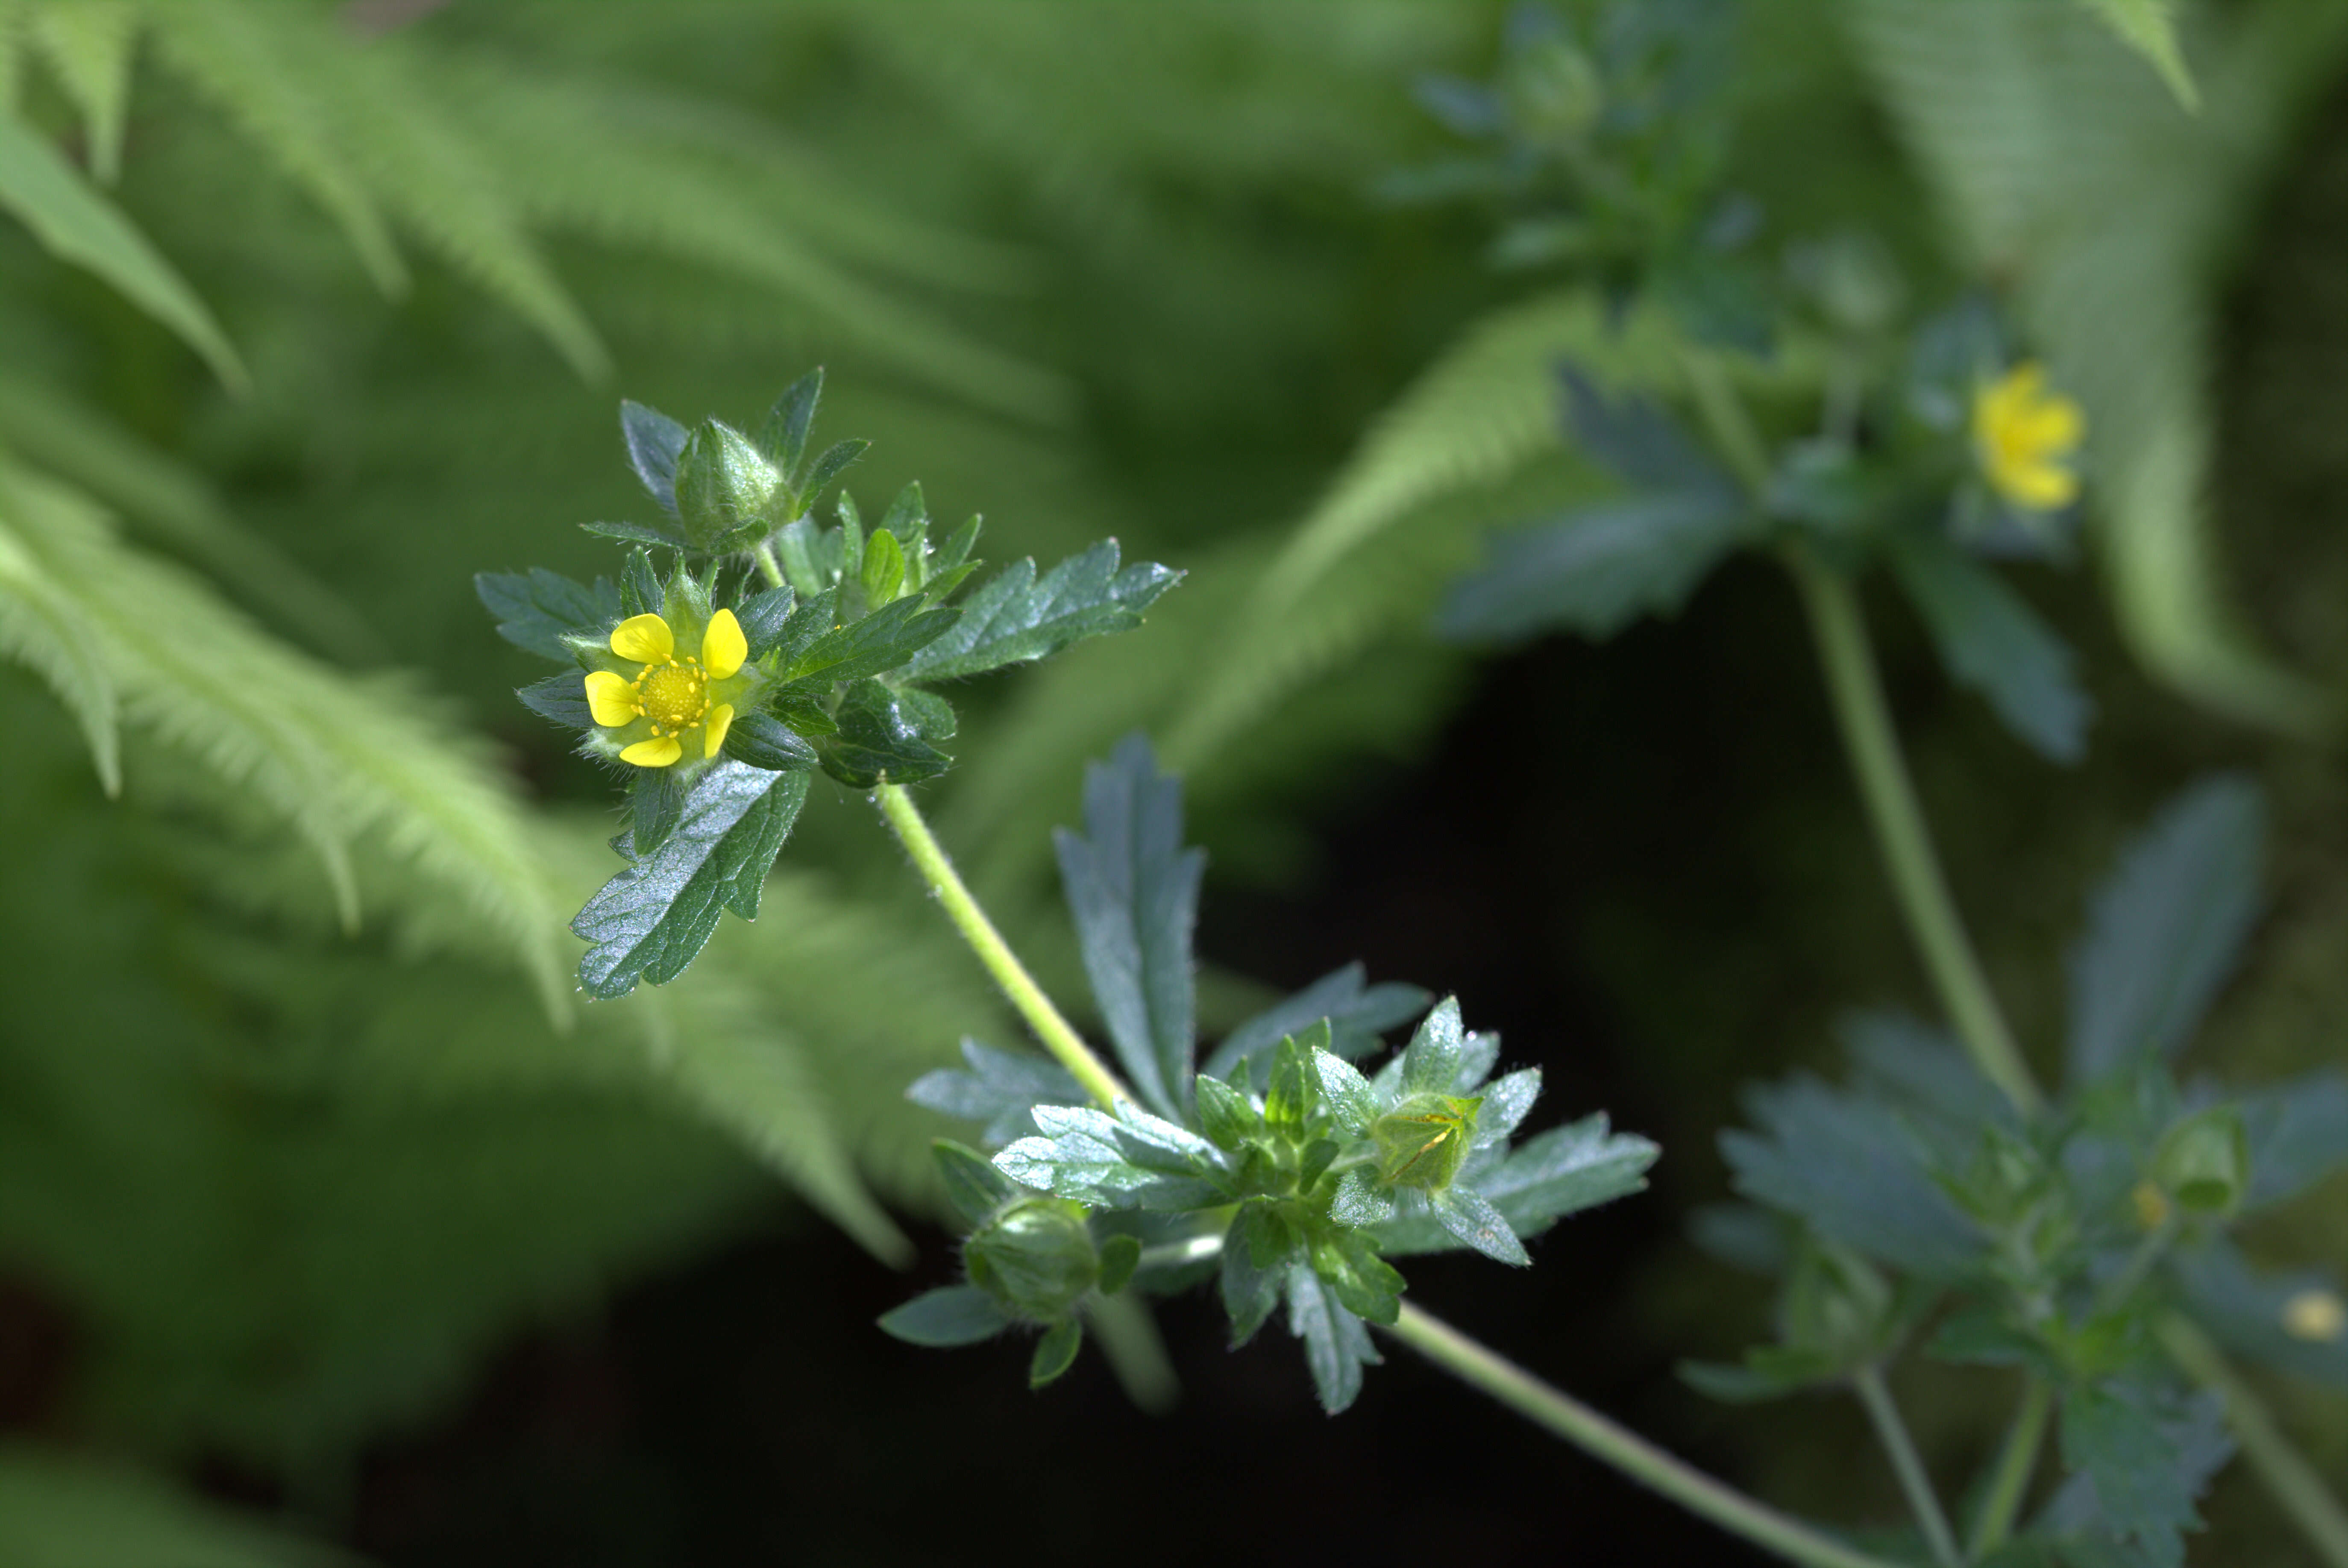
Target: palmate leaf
(78, 224)
(2163, 932)
(1598, 568)
(1130, 1160)
(882, 738)
(534, 609)
(2136, 1466)
(1133, 891)
(653, 919)
(1336, 1342)
(1358, 1013)
(1016, 618)
(1989, 639)
(58, 1512)
(997, 1091)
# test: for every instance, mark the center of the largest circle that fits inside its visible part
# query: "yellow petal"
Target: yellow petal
(2037, 487)
(610, 698)
(654, 753)
(720, 719)
(2052, 425)
(723, 646)
(644, 638)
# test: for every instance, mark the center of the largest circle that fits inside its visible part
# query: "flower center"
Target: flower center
(673, 697)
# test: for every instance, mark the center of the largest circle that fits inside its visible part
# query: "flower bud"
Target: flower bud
(2203, 1163)
(1036, 1258)
(1422, 1142)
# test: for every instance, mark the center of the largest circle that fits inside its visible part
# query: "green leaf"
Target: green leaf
(41, 625)
(1471, 1217)
(1336, 1344)
(876, 645)
(90, 42)
(1559, 1172)
(1128, 1161)
(78, 224)
(642, 593)
(1364, 1283)
(2149, 27)
(1225, 1115)
(654, 442)
(2164, 931)
(655, 804)
(1767, 1372)
(1357, 1013)
(762, 740)
(1119, 1256)
(1988, 638)
(999, 1090)
(1597, 569)
(1430, 1063)
(763, 617)
(57, 1512)
(2250, 1314)
(877, 741)
(1055, 1351)
(653, 918)
(954, 1315)
(562, 698)
(1133, 891)
(973, 1186)
(1636, 439)
(534, 610)
(829, 466)
(783, 434)
(1016, 618)
(1257, 1255)
(1854, 1170)
(723, 487)
(2298, 1131)
(2131, 1460)
(884, 569)
(638, 533)
(1346, 1092)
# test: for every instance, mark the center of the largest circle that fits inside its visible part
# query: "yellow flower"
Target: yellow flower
(669, 699)
(2316, 1315)
(2025, 436)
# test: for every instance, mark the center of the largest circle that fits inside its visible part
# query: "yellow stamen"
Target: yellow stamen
(2151, 1206)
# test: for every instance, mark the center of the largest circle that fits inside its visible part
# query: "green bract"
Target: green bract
(1036, 1258)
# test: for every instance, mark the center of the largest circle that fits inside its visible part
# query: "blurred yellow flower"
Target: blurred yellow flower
(2317, 1316)
(2025, 436)
(668, 698)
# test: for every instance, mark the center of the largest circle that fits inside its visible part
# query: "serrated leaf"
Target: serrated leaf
(1596, 569)
(638, 533)
(655, 441)
(1854, 1172)
(878, 742)
(1988, 638)
(653, 918)
(655, 805)
(1635, 437)
(2164, 931)
(1016, 618)
(2131, 1460)
(1055, 1351)
(2149, 27)
(534, 609)
(1506, 1105)
(642, 593)
(1359, 1201)
(1336, 1344)
(1559, 1172)
(956, 1315)
(76, 223)
(1256, 1258)
(762, 616)
(834, 461)
(1357, 1013)
(562, 698)
(1767, 1372)
(1364, 1283)
(1471, 1217)
(879, 643)
(973, 1186)
(999, 1090)
(1133, 891)
(762, 740)
(783, 435)
(1127, 1160)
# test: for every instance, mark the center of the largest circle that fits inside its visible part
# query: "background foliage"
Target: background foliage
(313, 311)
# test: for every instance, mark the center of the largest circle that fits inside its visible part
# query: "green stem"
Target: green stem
(1057, 1036)
(1602, 1438)
(1865, 720)
(765, 556)
(1892, 1433)
(2016, 1462)
(2287, 1475)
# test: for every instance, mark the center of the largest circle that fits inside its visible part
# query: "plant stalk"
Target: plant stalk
(1865, 720)
(2010, 1482)
(1892, 1433)
(1602, 1438)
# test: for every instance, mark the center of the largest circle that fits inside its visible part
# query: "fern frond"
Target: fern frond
(39, 628)
(2062, 166)
(331, 755)
(88, 45)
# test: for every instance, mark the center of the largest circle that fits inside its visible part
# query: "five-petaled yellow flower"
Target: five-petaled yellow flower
(2025, 436)
(669, 699)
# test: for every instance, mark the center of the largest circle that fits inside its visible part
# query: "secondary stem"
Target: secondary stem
(1892, 1433)
(2010, 1482)
(1600, 1437)
(1865, 720)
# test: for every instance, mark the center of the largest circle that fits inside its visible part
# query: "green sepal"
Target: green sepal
(653, 918)
(1018, 617)
(783, 434)
(535, 609)
(884, 571)
(655, 801)
(878, 742)
(654, 442)
(940, 1319)
(1119, 1256)
(1225, 1114)
(640, 590)
(762, 740)
(725, 486)
(1055, 1351)
(562, 698)
(973, 1186)
(1034, 1256)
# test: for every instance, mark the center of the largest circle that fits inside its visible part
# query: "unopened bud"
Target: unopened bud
(1423, 1141)
(1036, 1258)
(2203, 1163)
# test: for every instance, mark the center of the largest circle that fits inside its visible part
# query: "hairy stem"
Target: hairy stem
(2010, 1482)
(1602, 1439)
(768, 564)
(1865, 720)
(1054, 1031)
(2288, 1477)
(1906, 1463)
